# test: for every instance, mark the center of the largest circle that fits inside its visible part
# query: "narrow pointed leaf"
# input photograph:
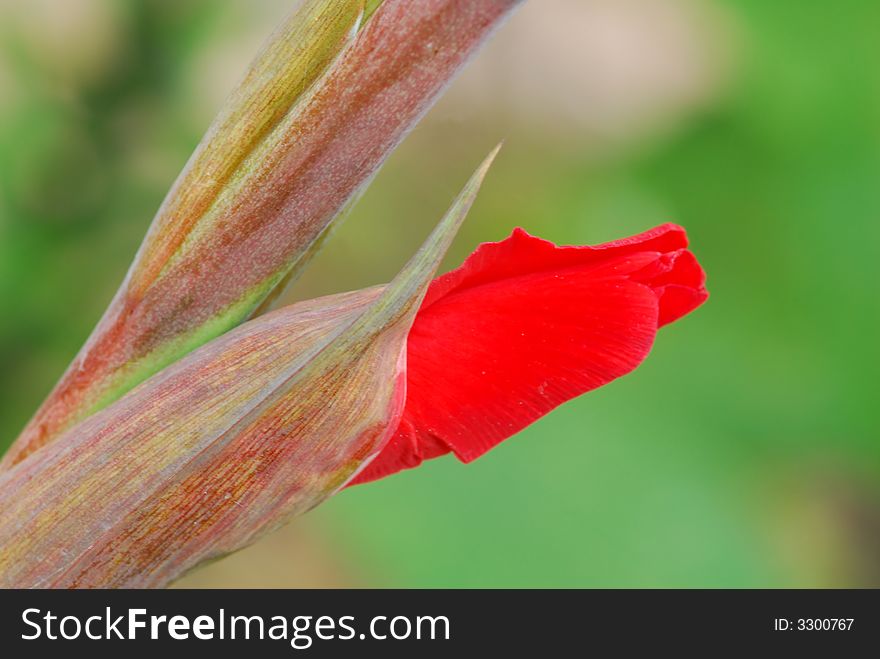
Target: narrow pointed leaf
(261, 424)
(319, 111)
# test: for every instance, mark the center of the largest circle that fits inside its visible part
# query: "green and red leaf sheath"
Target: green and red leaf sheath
(272, 418)
(278, 166)
(299, 52)
(261, 424)
(523, 326)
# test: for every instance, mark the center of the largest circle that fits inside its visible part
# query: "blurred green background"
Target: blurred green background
(743, 453)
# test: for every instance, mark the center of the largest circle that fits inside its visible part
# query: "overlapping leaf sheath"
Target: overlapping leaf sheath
(326, 101)
(258, 425)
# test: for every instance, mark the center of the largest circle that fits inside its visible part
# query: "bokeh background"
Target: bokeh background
(745, 452)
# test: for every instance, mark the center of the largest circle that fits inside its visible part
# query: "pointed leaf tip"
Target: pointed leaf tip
(335, 90)
(402, 297)
(426, 261)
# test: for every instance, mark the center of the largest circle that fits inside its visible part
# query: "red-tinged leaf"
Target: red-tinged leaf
(523, 326)
(258, 425)
(320, 110)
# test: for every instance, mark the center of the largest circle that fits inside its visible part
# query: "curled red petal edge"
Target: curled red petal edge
(524, 325)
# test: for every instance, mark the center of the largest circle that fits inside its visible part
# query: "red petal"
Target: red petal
(525, 325)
